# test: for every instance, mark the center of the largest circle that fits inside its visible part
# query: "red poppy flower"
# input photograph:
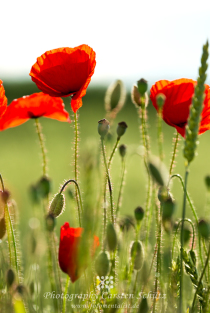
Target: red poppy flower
(33, 106)
(3, 99)
(70, 239)
(178, 100)
(65, 71)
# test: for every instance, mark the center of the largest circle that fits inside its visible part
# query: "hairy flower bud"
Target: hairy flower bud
(57, 205)
(137, 255)
(121, 128)
(115, 98)
(142, 86)
(122, 150)
(103, 127)
(102, 264)
(44, 186)
(111, 237)
(139, 214)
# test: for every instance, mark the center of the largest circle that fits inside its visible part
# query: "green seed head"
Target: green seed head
(103, 127)
(122, 150)
(139, 214)
(121, 128)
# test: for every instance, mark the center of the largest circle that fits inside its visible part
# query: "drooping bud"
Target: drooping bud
(44, 186)
(115, 98)
(10, 277)
(207, 181)
(168, 208)
(122, 150)
(103, 127)
(158, 171)
(121, 128)
(111, 237)
(2, 227)
(102, 264)
(5, 196)
(137, 255)
(204, 228)
(163, 194)
(160, 99)
(57, 205)
(142, 86)
(139, 214)
(50, 222)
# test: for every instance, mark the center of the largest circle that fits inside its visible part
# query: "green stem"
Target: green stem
(109, 181)
(144, 131)
(182, 241)
(51, 272)
(121, 186)
(75, 162)
(200, 280)
(42, 146)
(174, 154)
(65, 293)
(160, 134)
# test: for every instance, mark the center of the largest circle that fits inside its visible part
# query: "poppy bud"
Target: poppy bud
(111, 237)
(137, 255)
(121, 128)
(204, 228)
(31, 288)
(2, 227)
(122, 150)
(139, 213)
(157, 171)
(50, 222)
(163, 194)
(142, 86)
(34, 194)
(103, 127)
(160, 99)
(5, 196)
(168, 208)
(44, 186)
(57, 205)
(136, 97)
(207, 181)
(143, 307)
(115, 97)
(10, 277)
(102, 264)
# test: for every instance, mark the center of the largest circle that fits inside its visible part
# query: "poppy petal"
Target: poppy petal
(33, 106)
(3, 99)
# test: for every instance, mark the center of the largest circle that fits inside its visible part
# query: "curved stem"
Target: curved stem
(109, 181)
(113, 152)
(80, 208)
(42, 146)
(182, 241)
(65, 293)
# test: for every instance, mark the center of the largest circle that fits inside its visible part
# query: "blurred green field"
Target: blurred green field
(20, 157)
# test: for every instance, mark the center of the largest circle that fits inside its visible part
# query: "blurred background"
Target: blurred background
(151, 39)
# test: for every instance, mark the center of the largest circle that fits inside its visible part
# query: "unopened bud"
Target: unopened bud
(10, 277)
(139, 213)
(121, 128)
(50, 222)
(157, 171)
(103, 127)
(204, 228)
(102, 264)
(122, 150)
(163, 194)
(5, 196)
(168, 207)
(137, 255)
(44, 186)
(111, 237)
(115, 97)
(142, 86)
(207, 181)
(144, 307)
(57, 205)
(160, 99)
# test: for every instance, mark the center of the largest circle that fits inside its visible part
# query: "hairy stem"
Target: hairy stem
(42, 146)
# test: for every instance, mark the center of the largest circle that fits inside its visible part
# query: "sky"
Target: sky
(154, 39)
